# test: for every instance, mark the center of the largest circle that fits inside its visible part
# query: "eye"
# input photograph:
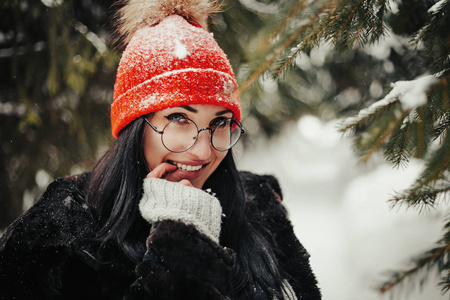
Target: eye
(178, 119)
(175, 116)
(220, 123)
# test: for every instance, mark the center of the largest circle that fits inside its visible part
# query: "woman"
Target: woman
(164, 214)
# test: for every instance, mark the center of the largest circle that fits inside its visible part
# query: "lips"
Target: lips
(186, 167)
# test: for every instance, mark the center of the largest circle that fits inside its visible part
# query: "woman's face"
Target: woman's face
(197, 163)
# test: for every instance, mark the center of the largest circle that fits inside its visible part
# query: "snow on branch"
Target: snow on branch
(437, 6)
(411, 94)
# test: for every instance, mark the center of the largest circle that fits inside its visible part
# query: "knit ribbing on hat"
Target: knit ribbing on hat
(171, 64)
(166, 200)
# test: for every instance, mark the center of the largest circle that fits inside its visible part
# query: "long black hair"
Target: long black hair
(115, 189)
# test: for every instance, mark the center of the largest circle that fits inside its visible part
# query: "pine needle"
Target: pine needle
(435, 258)
(358, 32)
(429, 260)
(275, 53)
(304, 43)
(421, 198)
(285, 20)
(351, 16)
(382, 137)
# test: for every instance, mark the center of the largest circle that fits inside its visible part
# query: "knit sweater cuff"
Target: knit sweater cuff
(164, 200)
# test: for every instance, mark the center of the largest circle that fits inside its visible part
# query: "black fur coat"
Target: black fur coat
(47, 253)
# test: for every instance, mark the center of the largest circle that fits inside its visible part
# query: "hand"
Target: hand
(166, 200)
(164, 169)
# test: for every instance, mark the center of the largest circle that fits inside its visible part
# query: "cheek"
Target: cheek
(154, 151)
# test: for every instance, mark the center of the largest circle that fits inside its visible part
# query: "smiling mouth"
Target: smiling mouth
(187, 168)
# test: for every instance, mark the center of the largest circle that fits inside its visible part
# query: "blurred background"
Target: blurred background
(58, 63)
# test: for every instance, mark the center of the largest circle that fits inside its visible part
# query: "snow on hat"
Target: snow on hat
(170, 60)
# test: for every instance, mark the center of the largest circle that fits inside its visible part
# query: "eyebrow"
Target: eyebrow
(186, 107)
(222, 112)
(191, 109)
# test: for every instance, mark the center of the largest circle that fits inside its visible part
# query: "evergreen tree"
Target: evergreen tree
(57, 70)
(411, 120)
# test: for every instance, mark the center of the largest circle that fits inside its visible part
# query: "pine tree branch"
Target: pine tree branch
(434, 37)
(426, 29)
(437, 164)
(422, 133)
(350, 17)
(397, 150)
(327, 33)
(333, 19)
(383, 126)
(421, 199)
(445, 99)
(435, 258)
(432, 181)
(441, 107)
(365, 115)
(403, 153)
(358, 32)
(286, 19)
(421, 34)
(379, 30)
(321, 27)
(383, 136)
(277, 51)
(307, 40)
(445, 283)
(361, 24)
(442, 127)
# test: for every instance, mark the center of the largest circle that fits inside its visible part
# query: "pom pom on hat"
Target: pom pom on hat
(136, 13)
(170, 60)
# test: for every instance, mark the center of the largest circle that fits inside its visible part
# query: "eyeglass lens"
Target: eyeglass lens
(181, 134)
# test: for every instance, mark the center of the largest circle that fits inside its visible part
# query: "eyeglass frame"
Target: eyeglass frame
(161, 132)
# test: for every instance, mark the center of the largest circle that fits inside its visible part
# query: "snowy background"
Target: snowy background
(340, 213)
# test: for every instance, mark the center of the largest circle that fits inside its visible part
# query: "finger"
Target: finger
(161, 170)
(186, 182)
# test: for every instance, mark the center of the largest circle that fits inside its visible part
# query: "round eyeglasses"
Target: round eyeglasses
(181, 134)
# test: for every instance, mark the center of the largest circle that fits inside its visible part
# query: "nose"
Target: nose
(202, 148)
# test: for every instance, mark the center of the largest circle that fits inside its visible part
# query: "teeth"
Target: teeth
(188, 168)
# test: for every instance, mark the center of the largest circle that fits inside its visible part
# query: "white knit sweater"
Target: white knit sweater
(164, 200)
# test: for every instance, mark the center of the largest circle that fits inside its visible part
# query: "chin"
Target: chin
(198, 183)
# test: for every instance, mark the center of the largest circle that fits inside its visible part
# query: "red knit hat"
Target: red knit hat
(169, 62)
